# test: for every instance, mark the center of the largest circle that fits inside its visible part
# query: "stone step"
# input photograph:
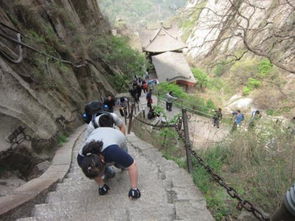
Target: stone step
(158, 213)
(90, 194)
(29, 219)
(106, 215)
(57, 209)
(135, 210)
(168, 193)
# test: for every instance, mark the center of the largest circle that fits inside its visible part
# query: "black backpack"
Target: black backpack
(92, 110)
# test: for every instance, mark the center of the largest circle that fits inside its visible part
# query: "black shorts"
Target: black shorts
(113, 154)
(79, 160)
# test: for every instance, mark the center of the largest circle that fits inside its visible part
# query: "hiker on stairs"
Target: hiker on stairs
(116, 121)
(106, 146)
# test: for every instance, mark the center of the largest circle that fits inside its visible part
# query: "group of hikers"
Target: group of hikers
(105, 145)
(237, 118)
(105, 138)
(139, 84)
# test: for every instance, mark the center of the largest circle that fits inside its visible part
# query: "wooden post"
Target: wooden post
(128, 107)
(134, 107)
(125, 114)
(130, 118)
(187, 141)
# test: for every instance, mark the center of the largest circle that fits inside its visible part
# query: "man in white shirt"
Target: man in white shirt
(105, 146)
(116, 122)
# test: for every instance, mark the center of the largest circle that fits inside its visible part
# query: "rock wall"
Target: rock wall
(265, 28)
(39, 89)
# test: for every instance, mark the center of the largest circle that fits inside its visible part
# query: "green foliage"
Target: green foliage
(159, 110)
(242, 70)
(220, 68)
(216, 84)
(168, 132)
(251, 71)
(201, 77)
(245, 67)
(178, 91)
(264, 67)
(215, 197)
(37, 37)
(120, 82)
(168, 135)
(210, 104)
(270, 112)
(61, 139)
(249, 162)
(217, 202)
(246, 91)
(195, 103)
(138, 12)
(251, 85)
(116, 51)
(175, 119)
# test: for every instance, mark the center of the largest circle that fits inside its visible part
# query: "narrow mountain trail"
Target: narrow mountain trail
(202, 132)
(168, 192)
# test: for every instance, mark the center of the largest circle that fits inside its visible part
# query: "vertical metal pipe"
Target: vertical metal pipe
(187, 141)
(130, 118)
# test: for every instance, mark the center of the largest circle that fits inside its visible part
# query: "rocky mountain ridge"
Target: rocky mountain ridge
(230, 29)
(43, 93)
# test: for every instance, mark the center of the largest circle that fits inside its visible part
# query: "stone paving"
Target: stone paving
(168, 192)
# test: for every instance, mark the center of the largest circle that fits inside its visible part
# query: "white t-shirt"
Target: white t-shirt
(109, 136)
(90, 127)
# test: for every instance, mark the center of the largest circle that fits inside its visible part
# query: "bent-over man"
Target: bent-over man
(106, 146)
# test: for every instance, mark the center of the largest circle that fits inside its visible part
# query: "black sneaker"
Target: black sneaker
(103, 190)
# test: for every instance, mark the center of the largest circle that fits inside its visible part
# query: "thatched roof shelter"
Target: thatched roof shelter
(171, 66)
(161, 40)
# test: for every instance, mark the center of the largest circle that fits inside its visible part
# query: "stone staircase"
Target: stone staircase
(168, 192)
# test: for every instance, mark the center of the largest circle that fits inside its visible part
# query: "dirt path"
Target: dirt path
(202, 132)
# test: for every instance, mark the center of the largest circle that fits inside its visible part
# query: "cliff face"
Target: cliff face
(41, 92)
(221, 30)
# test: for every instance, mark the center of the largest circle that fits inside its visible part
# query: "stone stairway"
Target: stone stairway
(168, 192)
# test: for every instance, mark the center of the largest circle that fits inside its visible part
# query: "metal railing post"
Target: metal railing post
(130, 118)
(187, 141)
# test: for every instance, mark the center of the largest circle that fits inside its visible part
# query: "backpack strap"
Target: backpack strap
(95, 125)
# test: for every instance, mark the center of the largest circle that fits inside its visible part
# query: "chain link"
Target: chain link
(231, 191)
(155, 125)
(242, 204)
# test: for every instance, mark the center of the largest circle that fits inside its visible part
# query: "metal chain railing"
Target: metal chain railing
(19, 43)
(41, 52)
(242, 204)
(154, 125)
